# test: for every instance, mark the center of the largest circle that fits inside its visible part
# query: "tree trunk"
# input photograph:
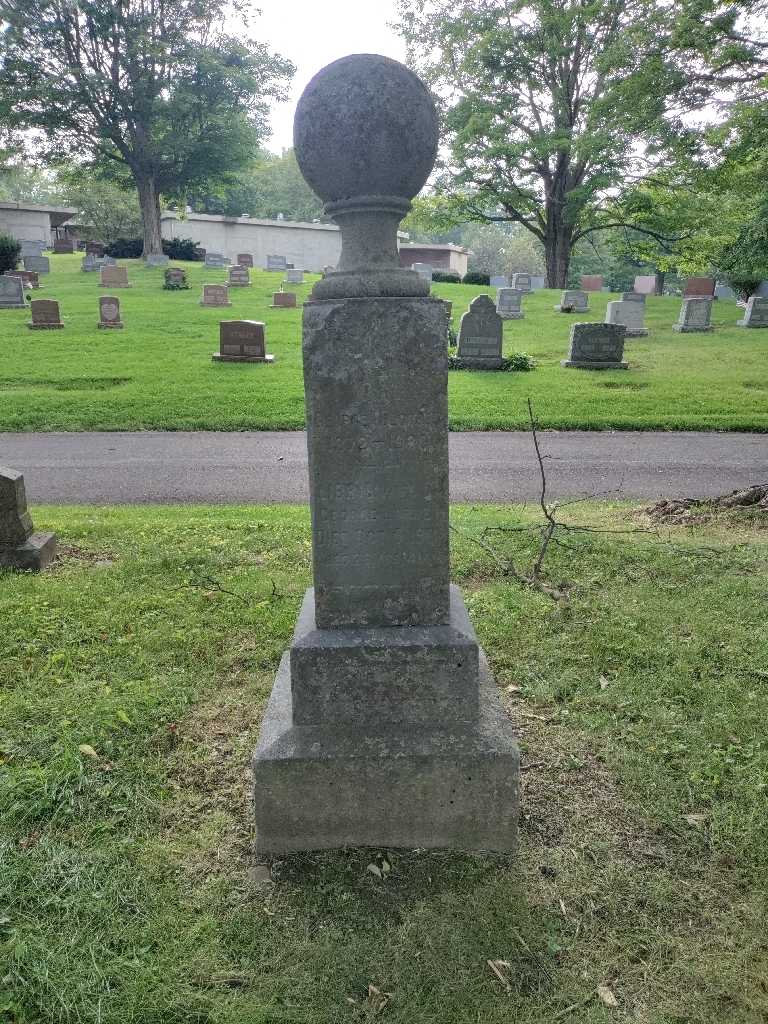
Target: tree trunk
(557, 253)
(660, 275)
(149, 201)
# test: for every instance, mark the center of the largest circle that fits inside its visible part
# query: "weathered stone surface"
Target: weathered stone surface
(695, 316)
(39, 264)
(28, 278)
(216, 260)
(109, 313)
(284, 300)
(522, 282)
(573, 301)
(509, 303)
(32, 247)
(215, 295)
(245, 259)
(157, 260)
(114, 277)
(242, 341)
(239, 277)
(12, 293)
(499, 281)
(31, 556)
(20, 547)
(45, 315)
(275, 262)
(294, 277)
(481, 333)
(699, 287)
(537, 282)
(592, 282)
(645, 284)
(756, 313)
(423, 270)
(633, 297)
(175, 279)
(596, 347)
(630, 314)
(64, 245)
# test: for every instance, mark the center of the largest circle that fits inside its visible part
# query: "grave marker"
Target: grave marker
(27, 277)
(521, 282)
(175, 279)
(592, 282)
(114, 277)
(294, 277)
(596, 347)
(276, 263)
(31, 247)
(630, 314)
(573, 301)
(245, 260)
(283, 300)
(756, 313)
(45, 315)
(509, 303)
(481, 333)
(242, 341)
(216, 261)
(64, 246)
(699, 287)
(499, 281)
(239, 277)
(97, 249)
(157, 259)
(12, 293)
(37, 264)
(215, 295)
(109, 313)
(695, 316)
(633, 297)
(20, 546)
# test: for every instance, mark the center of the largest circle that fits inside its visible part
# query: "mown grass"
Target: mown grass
(157, 373)
(132, 680)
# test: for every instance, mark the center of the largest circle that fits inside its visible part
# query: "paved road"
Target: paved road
(219, 468)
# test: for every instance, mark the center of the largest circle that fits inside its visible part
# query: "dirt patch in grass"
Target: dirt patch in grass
(73, 553)
(749, 504)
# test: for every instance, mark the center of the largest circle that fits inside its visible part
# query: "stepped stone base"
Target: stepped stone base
(682, 329)
(219, 358)
(34, 554)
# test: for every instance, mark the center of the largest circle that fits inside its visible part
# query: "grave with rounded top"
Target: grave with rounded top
(109, 313)
(384, 727)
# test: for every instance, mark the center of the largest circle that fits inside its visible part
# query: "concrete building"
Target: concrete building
(29, 222)
(446, 257)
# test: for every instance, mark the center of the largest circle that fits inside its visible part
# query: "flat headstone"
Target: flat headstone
(39, 264)
(245, 259)
(64, 246)
(294, 277)
(756, 313)
(699, 287)
(215, 295)
(20, 546)
(423, 269)
(239, 277)
(114, 277)
(481, 333)
(45, 315)
(109, 313)
(629, 314)
(645, 284)
(573, 301)
(276, 262)
(175, 279)
(242, 341)
(284, 300)
(695, 316)
(12, 293)
(592, 282)
(521, 282)
(27, 277)
(509, 303)
(157, 260)
(596, 347)
(499, 281)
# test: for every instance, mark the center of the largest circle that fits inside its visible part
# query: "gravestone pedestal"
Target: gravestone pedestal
(20, 547)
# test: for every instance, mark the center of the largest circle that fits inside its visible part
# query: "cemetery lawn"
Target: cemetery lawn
(132, 678)
(157, 373)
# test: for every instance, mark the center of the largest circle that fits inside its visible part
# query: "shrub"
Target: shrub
(182, 249)
(176, 281)
(125, 248)
(518, 362)
(473, 277)
(446, 277)
(10, 253)
(745, 287)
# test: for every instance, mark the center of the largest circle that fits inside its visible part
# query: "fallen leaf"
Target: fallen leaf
(604, 683)
(499, 968)
(606, 996)
(123, 716)
(88, 750)
(697, 820)
(374, 869)
(377, 1000)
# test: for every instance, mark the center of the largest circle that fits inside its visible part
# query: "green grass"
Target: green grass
(158, 373)
(127, 891)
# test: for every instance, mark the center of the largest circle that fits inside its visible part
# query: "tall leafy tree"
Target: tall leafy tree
(154, 91)
(550, 106)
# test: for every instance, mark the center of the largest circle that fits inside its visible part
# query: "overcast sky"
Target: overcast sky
(312, 33)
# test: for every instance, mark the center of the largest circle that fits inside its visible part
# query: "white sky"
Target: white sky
(312, 33)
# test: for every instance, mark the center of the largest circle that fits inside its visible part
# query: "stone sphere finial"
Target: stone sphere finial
(365, 137)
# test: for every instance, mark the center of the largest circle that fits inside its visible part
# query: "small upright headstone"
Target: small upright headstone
(294, 277)
(91, 263)
(157, 259)
(509, 303)
(200, 252)
(724, 291)
(756, 313)
(423, 270)
(645, 284)
(114, 277)
(95, 249)
(12, 293)
(245, 259)
(27, 277)
(480, 336)
(695, 316)
(45, 315)
(537, 282)
(38, 264)
(630, 315)
(239, 277)
(242, 341)
(699, 287)
(64, 245)
(31, 247)
(175, 279)
(109, 313)
(215, 295)
(216, 260)
(596, 347)
(499, 281)
(20, 546)
(633, 297)
(522, 282)
(573, 301)
(283, 300)
(592, 282)
(276, 262)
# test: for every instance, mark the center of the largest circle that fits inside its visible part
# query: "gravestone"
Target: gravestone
(109, 313)
(499, 281)
(200, 253)
(283, 300)
(175, 279)
(596, 347)
(294, 277)
(699, 287)
(45, 315)
(630, 314)
(632, 297)
(384, 727)
(37, 264)
(157, 259)
(423, 269)
(573, 301)
(592, 282)
(724, 291)
(756, 313)
(31, 247)
(90, 264)
(242, 341)
(20, 546)
(239, 277)
(276, 263)
(645, 284)
(245, 260)
(509, 303)
(695, 316)
(64, 246)
(215, 295)
(12, 293)
(537, 282)
(522, 282)
(480, 336)
(95, 249)
(27, 277)
(216, 260)
(114, 277)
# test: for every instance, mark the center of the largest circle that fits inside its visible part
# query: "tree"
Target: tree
(111, 211)
(153, 92)
(544, 105)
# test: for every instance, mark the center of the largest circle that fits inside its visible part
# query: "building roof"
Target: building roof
(59, 214)
(252, 221)
(441, 246)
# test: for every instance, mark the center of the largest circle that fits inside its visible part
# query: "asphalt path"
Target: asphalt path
(156, 467)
